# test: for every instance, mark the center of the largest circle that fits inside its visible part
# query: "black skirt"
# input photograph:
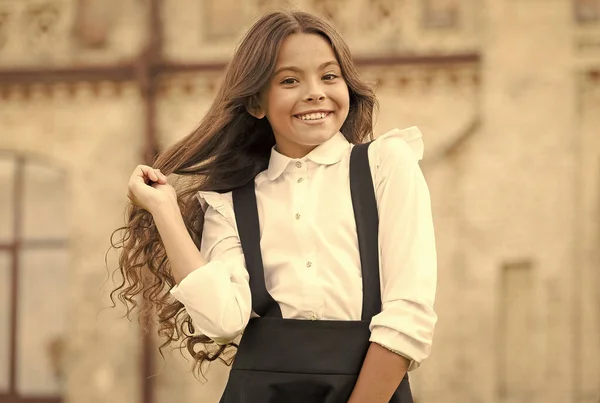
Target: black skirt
(301, 361)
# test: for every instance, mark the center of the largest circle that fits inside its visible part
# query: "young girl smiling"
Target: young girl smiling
(315, 246)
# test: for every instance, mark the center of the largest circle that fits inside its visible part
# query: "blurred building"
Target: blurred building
(507, 94)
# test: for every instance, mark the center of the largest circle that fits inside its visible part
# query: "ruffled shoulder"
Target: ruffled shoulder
(411, 136)
(220, 202)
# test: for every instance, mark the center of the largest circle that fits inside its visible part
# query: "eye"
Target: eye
(330, 76)
(289, 81)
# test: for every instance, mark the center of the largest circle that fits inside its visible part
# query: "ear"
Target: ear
(254, 108)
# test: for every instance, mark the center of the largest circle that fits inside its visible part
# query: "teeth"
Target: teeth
(313, 116)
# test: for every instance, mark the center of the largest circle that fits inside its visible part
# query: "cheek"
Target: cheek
(280, 103)
(342, 97)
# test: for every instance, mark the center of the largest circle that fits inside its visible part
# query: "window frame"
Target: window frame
(14, 247)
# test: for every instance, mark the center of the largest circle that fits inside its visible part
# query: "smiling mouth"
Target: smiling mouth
(313, 116)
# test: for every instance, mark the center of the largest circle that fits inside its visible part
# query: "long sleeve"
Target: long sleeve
(407, 247)
(217, 295)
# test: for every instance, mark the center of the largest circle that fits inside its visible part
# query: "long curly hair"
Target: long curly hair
(228, 149)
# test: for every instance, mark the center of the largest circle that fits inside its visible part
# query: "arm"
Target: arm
(183, 254)
(216, 294)
(404, 328)
(380, 376)
(148, 188)
(212, 283)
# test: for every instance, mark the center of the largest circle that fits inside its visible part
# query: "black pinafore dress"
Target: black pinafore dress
(306, 361)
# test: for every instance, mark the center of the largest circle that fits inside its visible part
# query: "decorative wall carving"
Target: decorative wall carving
(71, 90)
(93, 22)
(190, 85)
(423, 78)
(71, 32)
(373, 18)
(41, 25)
(586, 11)
(330, 9)
(398, 78)
(440, 13)
(4, 21)
(589, 85)
(30, 27)
(209, 30)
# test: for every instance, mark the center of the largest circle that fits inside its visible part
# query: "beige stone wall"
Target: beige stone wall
(182, 102)
(512, 153)
(63, 128)
(522, 192)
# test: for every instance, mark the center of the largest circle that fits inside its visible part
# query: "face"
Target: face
(307, 99)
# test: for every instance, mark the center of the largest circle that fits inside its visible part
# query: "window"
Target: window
(33, 274)
(516, 343)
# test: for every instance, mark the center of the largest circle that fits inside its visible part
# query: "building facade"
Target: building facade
(506, 93)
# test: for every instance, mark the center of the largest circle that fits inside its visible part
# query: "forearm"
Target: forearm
(380, 375)
(212, 283)
(182, 253)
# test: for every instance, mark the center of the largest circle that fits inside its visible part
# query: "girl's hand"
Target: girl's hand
(149, 190)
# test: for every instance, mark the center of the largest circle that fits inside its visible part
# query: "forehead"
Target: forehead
(304, 51)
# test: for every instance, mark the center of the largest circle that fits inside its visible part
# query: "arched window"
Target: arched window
(33, 279)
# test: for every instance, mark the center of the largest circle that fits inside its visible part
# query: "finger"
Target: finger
(150, 174)
(142, 172)
(138, 174)
(161, 178)
(143, 168)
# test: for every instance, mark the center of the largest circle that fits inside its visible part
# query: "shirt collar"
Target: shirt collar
(328, 153)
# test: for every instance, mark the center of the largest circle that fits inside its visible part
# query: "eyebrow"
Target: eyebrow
(299, 70)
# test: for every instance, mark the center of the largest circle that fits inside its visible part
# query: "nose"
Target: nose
(315, 92)
(315, 96)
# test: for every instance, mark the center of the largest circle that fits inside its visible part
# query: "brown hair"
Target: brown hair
(228, 149)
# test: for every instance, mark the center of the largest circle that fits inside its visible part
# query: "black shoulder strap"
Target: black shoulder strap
(367, 225)
(367, 228)
(246, 214)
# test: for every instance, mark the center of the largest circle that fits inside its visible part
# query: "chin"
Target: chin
(318, 139)
(322, 134)
(307, 139)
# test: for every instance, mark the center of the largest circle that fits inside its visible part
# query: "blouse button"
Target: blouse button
(313, 316)
(298, 164)
(308, 264)
(300, 180)
(298, 216)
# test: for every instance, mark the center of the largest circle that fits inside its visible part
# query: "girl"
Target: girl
(286, 246)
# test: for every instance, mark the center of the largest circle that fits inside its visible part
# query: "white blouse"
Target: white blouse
(310, 247)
